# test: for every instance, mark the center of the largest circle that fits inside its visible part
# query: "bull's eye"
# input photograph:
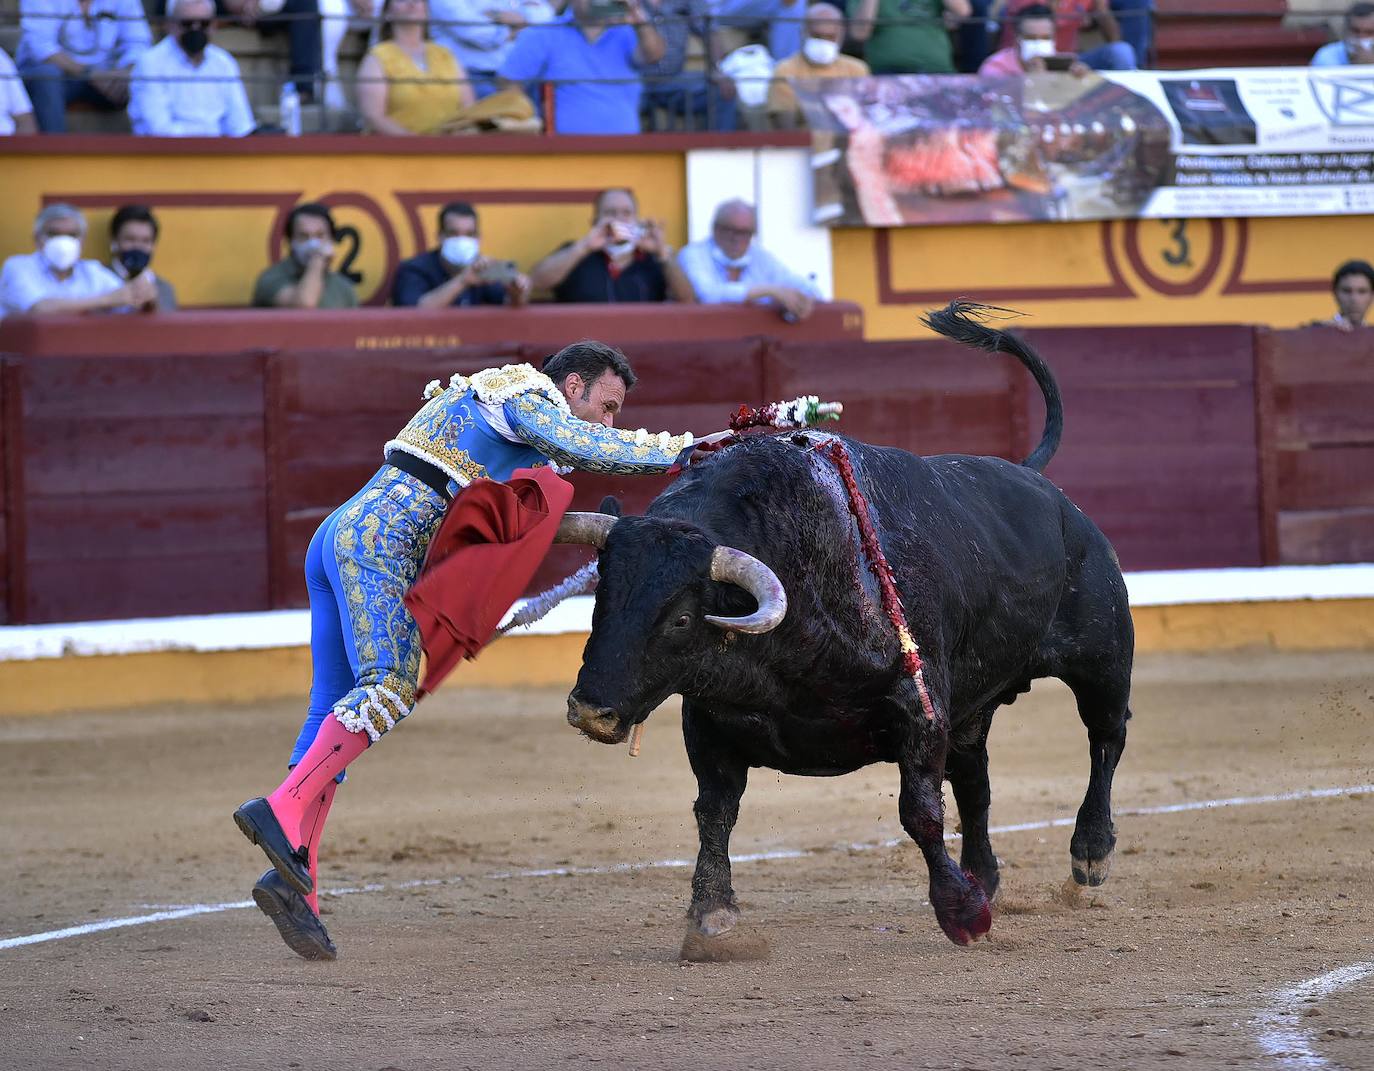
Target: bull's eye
(683, 621)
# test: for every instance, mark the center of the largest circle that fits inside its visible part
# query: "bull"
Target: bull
(744, 589)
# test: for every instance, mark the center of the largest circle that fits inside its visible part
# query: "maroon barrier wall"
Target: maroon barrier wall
(180, 482)
(1317, 435)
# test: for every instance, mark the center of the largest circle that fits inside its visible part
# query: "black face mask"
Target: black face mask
(134, 260)
(193, 42)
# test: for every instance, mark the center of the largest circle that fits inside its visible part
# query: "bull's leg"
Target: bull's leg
(960, 904)
(1102, 704)
(967, 772)
(721, 779)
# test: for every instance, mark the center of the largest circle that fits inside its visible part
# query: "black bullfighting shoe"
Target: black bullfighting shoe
(299, 927)
(257, 822)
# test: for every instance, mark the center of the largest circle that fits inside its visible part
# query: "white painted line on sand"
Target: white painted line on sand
(192, 910)
(1282, 1033)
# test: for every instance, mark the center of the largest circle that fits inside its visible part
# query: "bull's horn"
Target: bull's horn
(590, 529)
(733, 566)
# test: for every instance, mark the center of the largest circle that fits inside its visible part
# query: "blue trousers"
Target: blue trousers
(783, 18)
(364, 645)
(51, 89)
(1137, 30)
(1113, 56)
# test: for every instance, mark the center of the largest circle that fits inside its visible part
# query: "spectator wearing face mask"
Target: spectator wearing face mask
(1032, 50)
(622, 258)
(184, 86)
(456, 274)
(1067, 18)
(1356, 45)
(731, 268)
(133, 240)
(79, 50)
(54, 279)
(303, 278)
(819, 58)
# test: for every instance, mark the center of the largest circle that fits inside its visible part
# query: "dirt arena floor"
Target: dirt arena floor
(1200, 952)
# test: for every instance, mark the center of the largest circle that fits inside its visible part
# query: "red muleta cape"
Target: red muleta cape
(480, 561)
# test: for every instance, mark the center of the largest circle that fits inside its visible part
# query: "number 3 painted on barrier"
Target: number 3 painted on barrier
(1178, 257)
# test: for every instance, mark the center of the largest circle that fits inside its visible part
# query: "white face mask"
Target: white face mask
(62, 251)
(1031, 49)
(627, 245)
(460, 250)
(820, 52)
(718, 254)
(305, 248)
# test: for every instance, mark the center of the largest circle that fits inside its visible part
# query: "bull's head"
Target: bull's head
(667, 596)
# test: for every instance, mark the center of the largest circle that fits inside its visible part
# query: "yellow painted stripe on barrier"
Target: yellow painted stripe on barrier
(106, 682)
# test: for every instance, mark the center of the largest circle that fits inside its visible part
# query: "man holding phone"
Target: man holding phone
(1046, 39)
(456, 273)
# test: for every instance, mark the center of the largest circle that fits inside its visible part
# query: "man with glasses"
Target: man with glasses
(729, 268)
(78, 50)
(186, 87)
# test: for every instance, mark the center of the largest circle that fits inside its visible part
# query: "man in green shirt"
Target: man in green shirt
(906, 36)
(303, 280)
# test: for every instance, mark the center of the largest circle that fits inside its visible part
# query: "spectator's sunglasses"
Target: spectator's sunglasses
(194, 24)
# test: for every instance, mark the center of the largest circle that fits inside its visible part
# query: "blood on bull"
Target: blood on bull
(754, 588)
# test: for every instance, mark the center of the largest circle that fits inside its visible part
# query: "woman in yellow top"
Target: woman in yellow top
(408, 84)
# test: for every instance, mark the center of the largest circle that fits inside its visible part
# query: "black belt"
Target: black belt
(430, 475)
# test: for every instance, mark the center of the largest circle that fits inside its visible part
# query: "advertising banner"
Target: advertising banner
(907, 150)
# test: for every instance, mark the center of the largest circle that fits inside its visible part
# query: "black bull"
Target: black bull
(1003, 581)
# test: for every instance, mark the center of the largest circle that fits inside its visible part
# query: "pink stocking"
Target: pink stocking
(308, 789)
(314, 833)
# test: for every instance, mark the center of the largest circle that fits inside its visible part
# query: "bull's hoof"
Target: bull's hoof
(962, 911)
(715, 921)
(1091, 871)
(734, 945)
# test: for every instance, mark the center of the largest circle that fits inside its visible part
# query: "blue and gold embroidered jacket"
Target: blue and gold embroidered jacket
(454, 433)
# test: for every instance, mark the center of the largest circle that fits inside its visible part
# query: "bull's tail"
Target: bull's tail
(962, 321)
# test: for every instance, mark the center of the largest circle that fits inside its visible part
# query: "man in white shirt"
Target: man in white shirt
(55, 279)
(78, 50)
(16, 110)
(186, 87)
(728, 268)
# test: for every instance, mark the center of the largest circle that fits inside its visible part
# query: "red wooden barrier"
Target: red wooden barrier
(1318, 444)
(183, 482)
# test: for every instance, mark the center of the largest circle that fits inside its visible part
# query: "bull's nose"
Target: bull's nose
(600, 723)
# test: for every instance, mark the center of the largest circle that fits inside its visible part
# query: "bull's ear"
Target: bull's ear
(610, 505)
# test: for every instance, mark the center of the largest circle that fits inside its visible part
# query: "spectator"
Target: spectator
(619, 259)
(303, 279)
(593, 60)
(408, 84)
(337, 18)
(729, 268)
(779, 20)
(133, 240)
(56, 280)
(82, 50)
(688, 95)
(819, 58)
(456, 273)
(1353, 288)
(481, 33)
(300, 21)
(1135, 17)
(1068, 17)
(16, 110)
(186, 87)
(906, 36)
(1357, 40)
(974, 35)
(1033, 47)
